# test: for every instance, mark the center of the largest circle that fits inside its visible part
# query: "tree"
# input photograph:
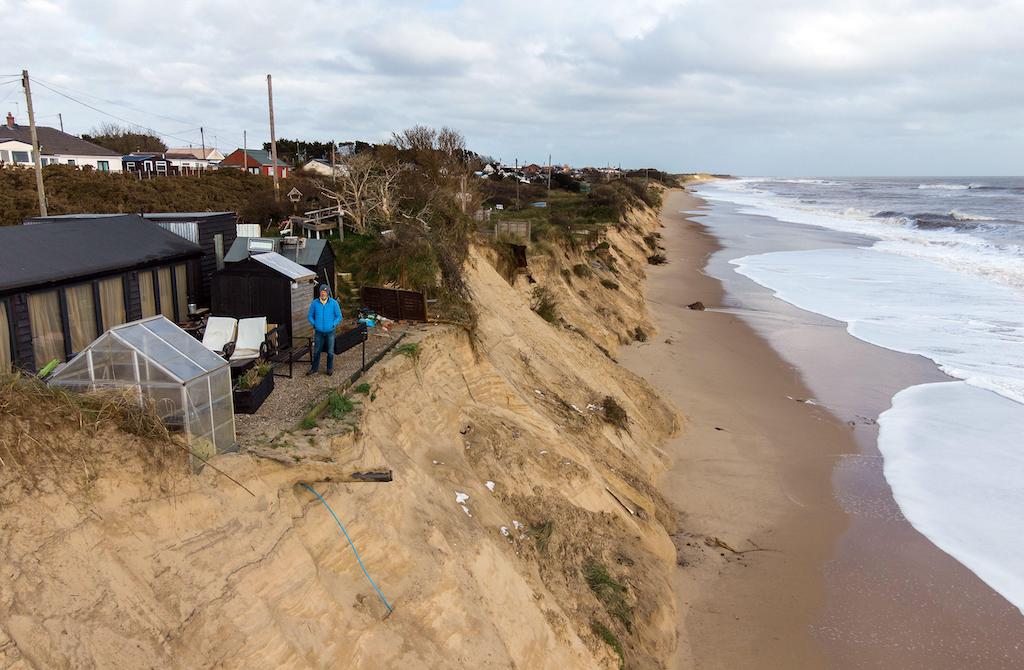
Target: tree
(125, 140)
(366, 188)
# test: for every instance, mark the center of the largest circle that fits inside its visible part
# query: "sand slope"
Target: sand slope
(133, 567)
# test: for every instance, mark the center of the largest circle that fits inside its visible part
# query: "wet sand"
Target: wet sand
(841, 580)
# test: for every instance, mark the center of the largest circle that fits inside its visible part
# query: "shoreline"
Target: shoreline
(754, 473)
(849, 582)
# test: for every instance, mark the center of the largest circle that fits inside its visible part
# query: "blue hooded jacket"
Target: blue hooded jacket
(324, 317)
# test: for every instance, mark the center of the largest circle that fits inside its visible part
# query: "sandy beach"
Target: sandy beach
(752, 468)
(837, 577)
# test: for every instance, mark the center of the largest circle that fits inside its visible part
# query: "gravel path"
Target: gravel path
(292, 398)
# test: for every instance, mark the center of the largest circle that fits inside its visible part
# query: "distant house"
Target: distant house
(209, 154)
(14, 152)
(256, 161)
(322, 166)
(56, 147)
(531, 169)
(65, 282)
(148, 164)
(188, 161)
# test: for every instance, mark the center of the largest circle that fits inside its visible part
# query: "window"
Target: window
(146, 293)
(166, 294)
(5, 156)
(71, 161)
(81, 316)
(112, 301)
(103, 166)
(148, 165)
(47, 333)
(5, 340)
(181, 284)
(20, 156)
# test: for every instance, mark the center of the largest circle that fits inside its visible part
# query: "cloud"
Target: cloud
(795, 86)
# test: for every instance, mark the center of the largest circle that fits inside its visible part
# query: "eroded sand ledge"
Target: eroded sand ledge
(139, 569)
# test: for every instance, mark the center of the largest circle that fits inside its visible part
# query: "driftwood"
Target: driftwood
(722, 544)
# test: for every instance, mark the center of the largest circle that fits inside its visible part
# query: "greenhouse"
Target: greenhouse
(188, 385)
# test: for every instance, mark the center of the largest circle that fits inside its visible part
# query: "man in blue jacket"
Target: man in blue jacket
(324, 315)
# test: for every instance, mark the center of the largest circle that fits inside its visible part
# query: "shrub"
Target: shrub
(657, 259)
(610, 639)
(339, 405)
(611, 593)
(307, 423)
(614, 413)
(639, 335)
(363, 388)
(608, 283)
(544, 304)
(582, 270)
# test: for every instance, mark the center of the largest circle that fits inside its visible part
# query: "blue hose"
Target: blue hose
(360, 561)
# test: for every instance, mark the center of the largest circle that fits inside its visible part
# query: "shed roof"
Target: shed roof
(184, 216)
(284, 266)
(308, 255)
(53, 141)
(55, 251)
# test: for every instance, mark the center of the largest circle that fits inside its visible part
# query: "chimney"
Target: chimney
(10, 121)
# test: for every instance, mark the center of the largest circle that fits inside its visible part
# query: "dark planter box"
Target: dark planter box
(247, 401)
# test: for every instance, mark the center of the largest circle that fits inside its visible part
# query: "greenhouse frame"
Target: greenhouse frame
(188, 385)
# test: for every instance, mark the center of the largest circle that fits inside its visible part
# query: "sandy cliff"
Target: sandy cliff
(113, 558)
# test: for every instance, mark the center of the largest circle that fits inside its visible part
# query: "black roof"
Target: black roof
(308, 255)
(60, 251)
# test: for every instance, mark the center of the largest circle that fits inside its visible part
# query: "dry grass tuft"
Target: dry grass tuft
(47, 428)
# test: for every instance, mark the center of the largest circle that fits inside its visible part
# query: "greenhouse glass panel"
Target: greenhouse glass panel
(189, 386)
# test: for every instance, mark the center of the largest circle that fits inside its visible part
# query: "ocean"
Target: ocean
(936, 268)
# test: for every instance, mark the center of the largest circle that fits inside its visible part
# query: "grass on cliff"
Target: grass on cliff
(42, 427)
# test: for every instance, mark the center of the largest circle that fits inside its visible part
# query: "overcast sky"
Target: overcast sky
(779, 87)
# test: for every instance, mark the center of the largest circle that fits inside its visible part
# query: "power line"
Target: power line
(117, 104)
(114, 116)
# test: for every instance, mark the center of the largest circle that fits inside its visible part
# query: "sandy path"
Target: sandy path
(752, 468)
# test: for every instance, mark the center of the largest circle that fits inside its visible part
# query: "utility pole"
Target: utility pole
(202, 139)
(61, 119)
(273, 138)
(35, 143)
(549, 172)
(517, 183)
(334, 173)
(245, 152)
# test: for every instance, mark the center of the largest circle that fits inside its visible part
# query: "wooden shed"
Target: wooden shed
(312, 254)
(63, 283)
(267, 285)
(213, 231)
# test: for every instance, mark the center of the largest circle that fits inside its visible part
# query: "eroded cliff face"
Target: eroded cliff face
(559, 551)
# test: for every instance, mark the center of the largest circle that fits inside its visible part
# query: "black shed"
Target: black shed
(214, 232)
(312, 254)
(64, 282)
(267, 285)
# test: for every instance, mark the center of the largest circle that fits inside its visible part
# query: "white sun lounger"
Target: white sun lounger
(220, 330)
(251, 335)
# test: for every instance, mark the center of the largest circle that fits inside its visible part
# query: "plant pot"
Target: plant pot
(247, 401)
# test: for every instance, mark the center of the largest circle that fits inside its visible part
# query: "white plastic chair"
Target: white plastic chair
(251, 335)
(220, 330)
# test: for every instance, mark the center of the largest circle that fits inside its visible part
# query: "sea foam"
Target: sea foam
(952, 451)
(954, 461)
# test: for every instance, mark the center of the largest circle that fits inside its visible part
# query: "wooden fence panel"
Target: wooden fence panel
(395, 303)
